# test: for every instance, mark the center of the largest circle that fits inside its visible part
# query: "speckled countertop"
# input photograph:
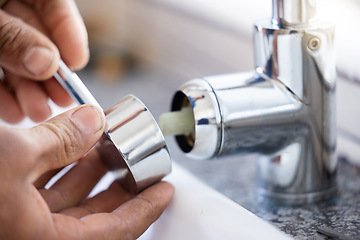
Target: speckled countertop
(235, 176)
(341, 213)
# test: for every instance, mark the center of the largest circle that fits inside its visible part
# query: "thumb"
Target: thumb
(26, 51)
(66, 138)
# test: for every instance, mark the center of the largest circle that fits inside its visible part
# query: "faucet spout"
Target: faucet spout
(293, 12)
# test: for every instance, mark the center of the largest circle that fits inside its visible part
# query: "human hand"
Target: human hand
(30, 157)
(33, 35)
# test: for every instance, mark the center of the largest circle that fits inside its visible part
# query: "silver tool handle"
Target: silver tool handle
(74, 86)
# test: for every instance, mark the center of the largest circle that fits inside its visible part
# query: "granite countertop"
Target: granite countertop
(235, 176)
(341, 214)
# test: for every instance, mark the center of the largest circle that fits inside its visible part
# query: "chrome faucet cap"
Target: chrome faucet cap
(133, 146)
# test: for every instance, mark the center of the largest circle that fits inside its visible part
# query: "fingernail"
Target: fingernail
(89, 119)
(38, 60)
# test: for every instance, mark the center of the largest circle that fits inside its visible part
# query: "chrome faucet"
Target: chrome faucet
(284, 110)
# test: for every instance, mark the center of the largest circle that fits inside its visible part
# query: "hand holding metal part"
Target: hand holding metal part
(133, 146)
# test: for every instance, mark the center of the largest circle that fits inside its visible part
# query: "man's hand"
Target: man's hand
(30, 157)
(33, 36)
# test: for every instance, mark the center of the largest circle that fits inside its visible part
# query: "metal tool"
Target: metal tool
(332, 233)
(133, 146)
(73, 85)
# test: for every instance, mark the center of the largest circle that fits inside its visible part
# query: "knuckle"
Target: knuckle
(146, 204)
(124, 229)
(150, 209)
(67, 139)
(11, 36)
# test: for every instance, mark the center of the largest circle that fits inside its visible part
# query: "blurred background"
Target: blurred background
(150, 47)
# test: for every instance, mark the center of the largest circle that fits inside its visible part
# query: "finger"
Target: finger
(106, 201)
(67, 29)
(57, 93)
(76, 185)
(27, 14)
(24, 11)
(65, 138)
(25, 50)
(132, 218)
(33, 100)
(10, 110)
(32, 97)
(45, 178)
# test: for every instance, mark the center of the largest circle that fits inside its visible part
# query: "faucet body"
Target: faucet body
(284, 109)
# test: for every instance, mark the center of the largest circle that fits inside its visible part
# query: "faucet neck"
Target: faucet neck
(290, 46)
(293, 12)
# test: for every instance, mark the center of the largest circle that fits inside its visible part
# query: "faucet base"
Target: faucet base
(276, 198)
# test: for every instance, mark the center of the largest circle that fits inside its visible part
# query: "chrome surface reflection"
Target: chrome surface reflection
(284, 110)
(133, 146)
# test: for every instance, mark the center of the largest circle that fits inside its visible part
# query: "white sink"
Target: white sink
(200, 212)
